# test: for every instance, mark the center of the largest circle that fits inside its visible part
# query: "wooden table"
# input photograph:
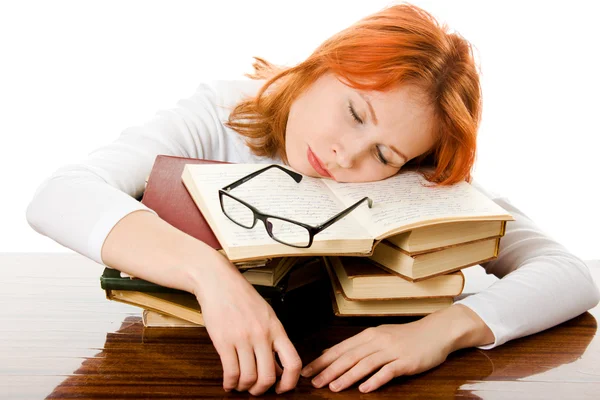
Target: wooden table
(60, 338)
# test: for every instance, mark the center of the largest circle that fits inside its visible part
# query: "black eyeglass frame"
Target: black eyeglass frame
(258, 215)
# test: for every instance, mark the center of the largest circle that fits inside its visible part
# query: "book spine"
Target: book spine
(112, 280)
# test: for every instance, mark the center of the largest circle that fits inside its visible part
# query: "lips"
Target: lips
(316, 164)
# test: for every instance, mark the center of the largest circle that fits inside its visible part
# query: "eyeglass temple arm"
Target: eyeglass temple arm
(344, 213)
(294, 175)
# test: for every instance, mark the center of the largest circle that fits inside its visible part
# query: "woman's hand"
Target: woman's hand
(395, 350)
(387, 350)
(246, 333)
(242, 326)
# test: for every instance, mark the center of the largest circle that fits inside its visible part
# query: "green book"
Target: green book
(296, 286)
(111, 280)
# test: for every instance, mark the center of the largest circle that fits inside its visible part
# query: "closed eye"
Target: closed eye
(354, 114)
(380, 156)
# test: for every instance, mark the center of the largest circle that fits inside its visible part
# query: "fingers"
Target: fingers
(278, 368)
(383, 376)
(333, 353)
(344, 377)
(265, 366)
(361, 369)
(254, 368)
(248, 374)
(231, 369)
(342, 364)
(291, 363)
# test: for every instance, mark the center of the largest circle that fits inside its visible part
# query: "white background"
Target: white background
(74, 74)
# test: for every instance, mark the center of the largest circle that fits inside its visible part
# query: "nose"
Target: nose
(348, 150)
(343, 158)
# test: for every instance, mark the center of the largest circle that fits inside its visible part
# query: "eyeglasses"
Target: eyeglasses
(283, 230)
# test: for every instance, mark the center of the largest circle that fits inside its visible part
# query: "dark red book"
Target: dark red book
(166, 194)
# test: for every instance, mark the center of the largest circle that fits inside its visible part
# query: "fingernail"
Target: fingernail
(306, 372)
(317, 382)
(364, 388)
(334, 386)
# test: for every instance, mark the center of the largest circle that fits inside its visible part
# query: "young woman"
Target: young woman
(391, 90)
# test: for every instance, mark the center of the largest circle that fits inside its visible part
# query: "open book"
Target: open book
(401, 203)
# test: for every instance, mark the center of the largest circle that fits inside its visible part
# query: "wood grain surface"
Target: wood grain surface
(61, 339)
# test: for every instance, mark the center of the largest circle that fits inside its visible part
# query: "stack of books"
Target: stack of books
(414, 273)
(403, 256)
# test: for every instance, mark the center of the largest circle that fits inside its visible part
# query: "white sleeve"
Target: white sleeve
(79, 204)
(541, 284)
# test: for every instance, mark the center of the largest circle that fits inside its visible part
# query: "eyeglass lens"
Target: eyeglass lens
(288, 232)
(237, 212)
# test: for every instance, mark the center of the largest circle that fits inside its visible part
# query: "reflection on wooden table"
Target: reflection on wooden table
(60, 338)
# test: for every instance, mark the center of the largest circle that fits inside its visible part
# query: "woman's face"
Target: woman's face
(337, 132)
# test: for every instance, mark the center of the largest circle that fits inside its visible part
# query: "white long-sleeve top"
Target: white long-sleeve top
(541, 284)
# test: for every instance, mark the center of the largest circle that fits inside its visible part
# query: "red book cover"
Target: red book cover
(166, 194)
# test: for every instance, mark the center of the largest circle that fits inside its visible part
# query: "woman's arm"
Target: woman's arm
(79, 204)
(243, 327)
(143, 245)
(542, 285)
(91, 208)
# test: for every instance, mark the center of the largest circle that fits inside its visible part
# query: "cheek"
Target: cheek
(298, 127)
(367, 172)
(295, 147)
(293, 134)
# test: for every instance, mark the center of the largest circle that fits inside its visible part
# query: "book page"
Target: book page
(407, 198)
(276, 193)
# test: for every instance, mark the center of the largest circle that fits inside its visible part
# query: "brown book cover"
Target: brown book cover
(166, 194)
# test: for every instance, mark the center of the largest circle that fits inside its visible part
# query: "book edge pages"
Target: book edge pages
(419, 273)
(402, 240)
(348, 292)
(154, 319)
(417, 278)
(444, 301)
(190, 315)
(433, 250)
(436, 221)
(455, 293)
(270, 278)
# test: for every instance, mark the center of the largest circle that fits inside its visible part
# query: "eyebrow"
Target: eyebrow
(371, 110)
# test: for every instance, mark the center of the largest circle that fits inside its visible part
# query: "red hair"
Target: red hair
(399, 45)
